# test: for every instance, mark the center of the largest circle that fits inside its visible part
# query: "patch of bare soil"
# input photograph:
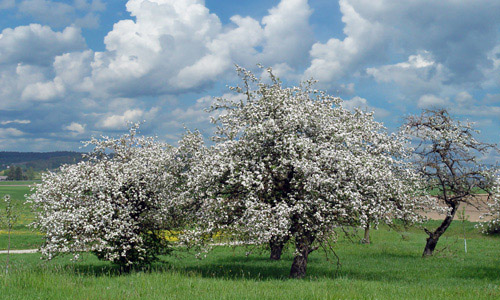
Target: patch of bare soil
(473, 211)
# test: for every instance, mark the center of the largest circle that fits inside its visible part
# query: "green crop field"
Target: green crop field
(22, 236)
(390, 268)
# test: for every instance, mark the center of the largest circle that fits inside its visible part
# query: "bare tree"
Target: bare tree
(448, 156)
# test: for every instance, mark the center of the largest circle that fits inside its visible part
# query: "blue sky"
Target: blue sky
(70, 70)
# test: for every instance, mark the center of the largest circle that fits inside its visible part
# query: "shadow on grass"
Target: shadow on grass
(483, 272)
(255, 267)
(379, 266)
(389, 268)
(238, 266)
(264, 269)
(103, 269)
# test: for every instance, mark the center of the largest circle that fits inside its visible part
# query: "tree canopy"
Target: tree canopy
(117, 203)
(293, 164)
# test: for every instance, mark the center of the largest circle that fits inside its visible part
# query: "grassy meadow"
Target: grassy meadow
(389, 268)
(22, 236)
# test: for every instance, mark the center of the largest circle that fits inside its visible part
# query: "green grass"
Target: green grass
(17, 194)
(22, 235)
(390, 268)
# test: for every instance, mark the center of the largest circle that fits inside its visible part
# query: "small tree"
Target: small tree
(282, 168)
(115, 203)
(10, 172)
(18, 173)
(447, 155)
(30, 174)
(8, 219)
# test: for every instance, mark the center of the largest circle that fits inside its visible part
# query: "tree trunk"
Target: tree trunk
(366, 239)
(433, 238)
(276, 244)
(276, 249)
(8, 252)
(303, 249)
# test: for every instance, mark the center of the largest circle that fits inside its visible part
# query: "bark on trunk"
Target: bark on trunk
(433, 238)
(430, 245)
(276, 246)
(366, 239)
(303, 248)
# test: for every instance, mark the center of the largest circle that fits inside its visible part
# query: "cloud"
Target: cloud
(235, 45)
(10, 132)
(73, 68)
(144, 56)
(492, 73)
(90, 20)
(287, 33)
(365, 41)
(29, 61)
(460, 44)
(59, 14)
(178, 46)
(195, 116)
(75, 128)
(432, 101)
(15, 122)
(491, 98)
(120, 121)
(37, 45)
(465, 104)
(362, 103)
(197, 113)
(13, 80)
(94, 5)
(43, 91)
(420, 74)
(374, 29)
(49, 12)
(167, 53)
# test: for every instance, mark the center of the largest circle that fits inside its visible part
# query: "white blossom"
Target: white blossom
(116, 202)
(493, 213)
(293, 164)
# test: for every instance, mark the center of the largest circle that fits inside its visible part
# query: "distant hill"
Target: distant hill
(39, 161)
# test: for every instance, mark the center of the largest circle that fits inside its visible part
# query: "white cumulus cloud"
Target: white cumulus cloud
(37, 45)
(120, 121)
(432, 101)
(419, 75)
(362, 103)
(366, 39)
(75, 127)
(174, 46)
(43, 91)
(10, 132)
